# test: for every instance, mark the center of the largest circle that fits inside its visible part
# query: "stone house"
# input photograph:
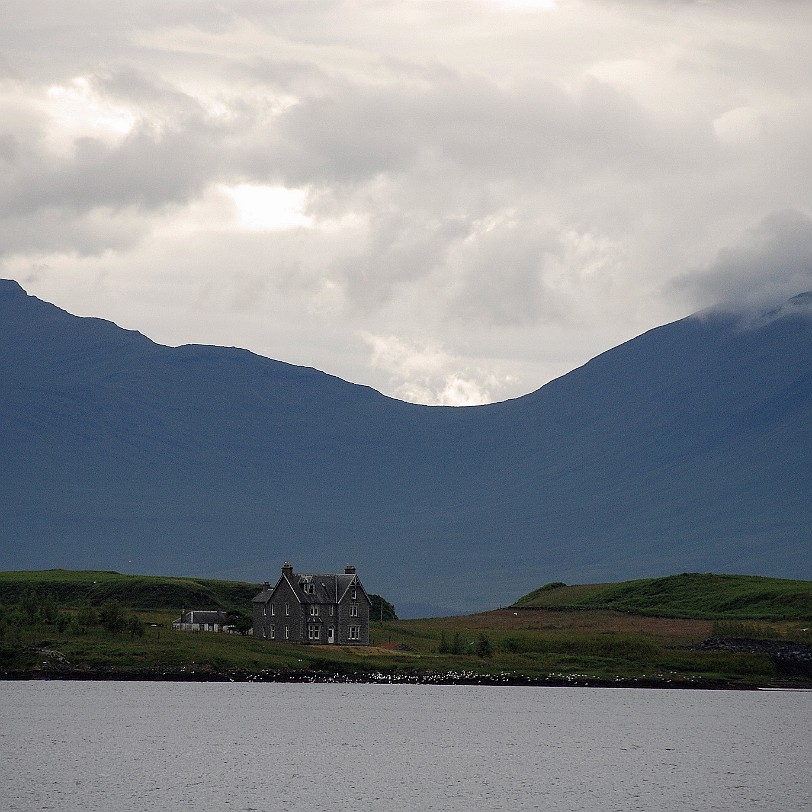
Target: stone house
(203, 620)
(314, 609)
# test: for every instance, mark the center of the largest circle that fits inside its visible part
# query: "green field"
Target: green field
(690, 595)
(94, 624)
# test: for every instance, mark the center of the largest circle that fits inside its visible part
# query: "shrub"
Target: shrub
(484, 649)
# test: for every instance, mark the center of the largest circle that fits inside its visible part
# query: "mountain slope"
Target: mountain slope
(688, 448)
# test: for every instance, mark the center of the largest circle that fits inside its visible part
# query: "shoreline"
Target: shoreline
(383, 678)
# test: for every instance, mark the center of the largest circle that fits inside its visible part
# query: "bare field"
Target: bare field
(579, 621)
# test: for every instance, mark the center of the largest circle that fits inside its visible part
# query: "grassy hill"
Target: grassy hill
(144, 592)
(690, 595)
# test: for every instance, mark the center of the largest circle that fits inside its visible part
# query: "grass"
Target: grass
(690, 595)
(132, 591)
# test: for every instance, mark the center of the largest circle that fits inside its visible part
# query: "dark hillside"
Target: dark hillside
(145, 592)
(689, 447)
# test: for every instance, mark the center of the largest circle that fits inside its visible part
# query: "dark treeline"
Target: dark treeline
(34, 615)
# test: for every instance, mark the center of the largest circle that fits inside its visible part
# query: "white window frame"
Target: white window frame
(314, 610)
(354, 610)
(354, 633)
(313, 631)
(287, 632)
(287, 608)
(272, 632)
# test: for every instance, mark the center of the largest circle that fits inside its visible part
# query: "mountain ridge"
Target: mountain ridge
(686, 448)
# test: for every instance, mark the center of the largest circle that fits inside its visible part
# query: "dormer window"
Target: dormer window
(309, 588)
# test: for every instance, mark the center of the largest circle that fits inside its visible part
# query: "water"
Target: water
(211, 747)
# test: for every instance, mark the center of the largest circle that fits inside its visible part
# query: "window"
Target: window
(310, 589)
(287, 608)
(273, 609)
(332, 610)
(287, 632)
(264, 633)
(265, 609)
(354, 594)
(313, 631)
(314, 610)
(354, 610)
(354, 632)
(272, 632)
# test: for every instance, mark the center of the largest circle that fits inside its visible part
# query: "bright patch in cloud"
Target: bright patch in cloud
(269, 208)
(527, 5)
(79, 111)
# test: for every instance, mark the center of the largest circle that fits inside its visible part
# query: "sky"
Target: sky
(451, 201)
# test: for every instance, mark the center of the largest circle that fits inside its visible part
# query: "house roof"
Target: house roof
(327, 587)
(210, 616)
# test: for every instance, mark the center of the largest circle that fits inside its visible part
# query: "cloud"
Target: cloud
(424, 372)
(505, 188)
(771, 264)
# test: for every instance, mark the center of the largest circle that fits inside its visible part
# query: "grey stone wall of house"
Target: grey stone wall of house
(313, 609)
(353, 614)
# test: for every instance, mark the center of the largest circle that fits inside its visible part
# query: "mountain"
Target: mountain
(688, 448)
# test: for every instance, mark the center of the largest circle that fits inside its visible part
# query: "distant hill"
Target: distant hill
(145, 592)
(688, 448)
(690, 595)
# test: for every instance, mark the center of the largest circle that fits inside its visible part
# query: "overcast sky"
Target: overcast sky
(452, 201)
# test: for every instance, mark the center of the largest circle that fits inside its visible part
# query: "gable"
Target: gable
(309, 588)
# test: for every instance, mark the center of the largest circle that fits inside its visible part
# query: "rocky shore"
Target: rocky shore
(790, 659)
(63, 672)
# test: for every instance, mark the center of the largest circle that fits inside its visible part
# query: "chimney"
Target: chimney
(266, 587)
(349, 570)
(287, 570)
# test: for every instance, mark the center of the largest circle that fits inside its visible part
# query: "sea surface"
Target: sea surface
(208, 747)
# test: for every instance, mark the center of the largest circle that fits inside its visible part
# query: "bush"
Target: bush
(112, 617)
(515, 644)
(484, 649)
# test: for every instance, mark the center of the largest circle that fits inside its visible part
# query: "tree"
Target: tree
(49, 608)
(85, 618)
(112, 616)
(456, 644)
(381, 609)
(241, 622)
(29, 604)
(134, 626)
(484, 649)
